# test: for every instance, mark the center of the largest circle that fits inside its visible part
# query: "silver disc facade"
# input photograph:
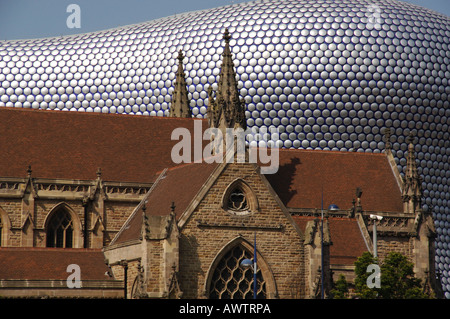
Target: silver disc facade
(328, 75)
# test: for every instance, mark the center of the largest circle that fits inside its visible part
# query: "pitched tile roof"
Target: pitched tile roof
(298, 183)
(51, 263)
(73, 145)
(136, 148)
(347, 242)
(178, 185)
(303, 174)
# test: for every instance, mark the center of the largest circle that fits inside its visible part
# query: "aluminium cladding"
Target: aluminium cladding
(328, 75)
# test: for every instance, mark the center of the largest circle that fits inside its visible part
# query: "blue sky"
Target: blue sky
(28, 19)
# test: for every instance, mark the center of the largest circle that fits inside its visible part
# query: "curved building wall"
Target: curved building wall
(328, 75)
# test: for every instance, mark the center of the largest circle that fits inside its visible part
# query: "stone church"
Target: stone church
(101, 192)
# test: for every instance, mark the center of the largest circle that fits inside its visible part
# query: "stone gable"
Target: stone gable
(210, 230)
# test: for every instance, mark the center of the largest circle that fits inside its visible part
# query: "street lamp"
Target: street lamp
(375, 218)
(246, 263)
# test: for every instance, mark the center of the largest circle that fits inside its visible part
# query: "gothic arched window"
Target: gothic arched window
(60, 230)
(239, 198)
(230, 280)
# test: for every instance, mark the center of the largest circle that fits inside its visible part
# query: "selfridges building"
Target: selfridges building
(328, 75)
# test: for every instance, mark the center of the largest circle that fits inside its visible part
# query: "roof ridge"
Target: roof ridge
(129, 116)
(340, 152)
(203, 162)
(137, 208)
(284, 150)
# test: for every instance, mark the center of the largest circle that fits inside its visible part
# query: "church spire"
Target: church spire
(227, 110)
(180, 101)
(227, 85)
(412, 182)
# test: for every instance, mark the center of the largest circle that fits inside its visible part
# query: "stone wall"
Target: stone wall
(210, 230)
(26, 204)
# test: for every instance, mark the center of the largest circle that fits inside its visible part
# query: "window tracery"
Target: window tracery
(237, 200)
(60, 230)
(232, 281)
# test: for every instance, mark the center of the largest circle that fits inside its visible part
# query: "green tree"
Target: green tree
(340, 290)
(397, 278)
(361, 288)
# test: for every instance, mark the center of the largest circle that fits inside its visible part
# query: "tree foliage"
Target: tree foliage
(361, 288)
(397, 278)
(340, 290)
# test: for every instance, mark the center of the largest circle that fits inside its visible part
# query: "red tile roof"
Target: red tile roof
(73, 145)
(51, 263)
(347, 242)
(178, 185)
(304, 173)
(301, 221)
